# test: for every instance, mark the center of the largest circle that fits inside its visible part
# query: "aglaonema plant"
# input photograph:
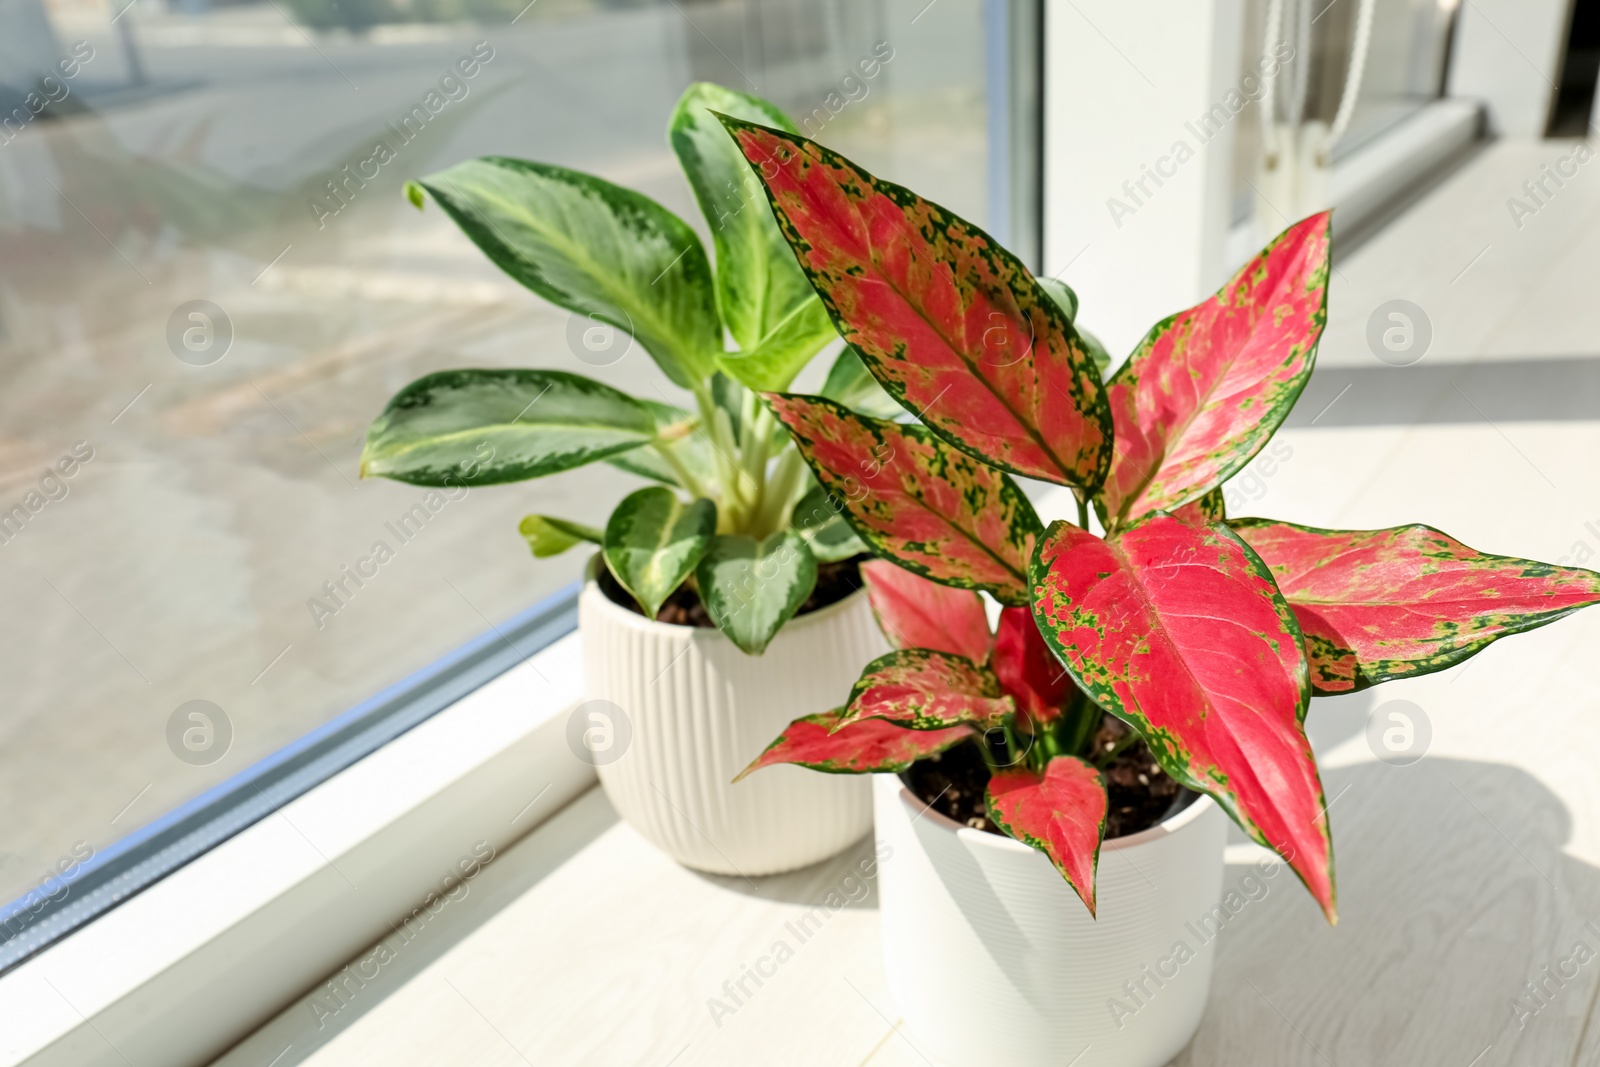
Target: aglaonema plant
(734, 514)
(1206, 634)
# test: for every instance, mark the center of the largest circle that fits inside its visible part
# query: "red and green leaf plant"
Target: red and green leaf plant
(1207, 636)
(731, 513)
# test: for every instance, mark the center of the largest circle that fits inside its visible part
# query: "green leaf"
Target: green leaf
(824, 527)
(653, 542)
(550, 536)
(693, 449)
(763, 296)
(486, 427)
(593, 248)
(732, 397)
(782, 354)
(851, 384)
(1062, 293)
(414, 194)
(751, 588)
(1097, 351)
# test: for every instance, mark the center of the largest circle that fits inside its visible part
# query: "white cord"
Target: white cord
(1269, 93)
(1302, 67)
(1352, 81)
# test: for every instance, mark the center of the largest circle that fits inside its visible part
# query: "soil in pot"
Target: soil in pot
(1141, 795)
(835, 581)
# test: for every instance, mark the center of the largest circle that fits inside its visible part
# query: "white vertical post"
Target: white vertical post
(1141, 105)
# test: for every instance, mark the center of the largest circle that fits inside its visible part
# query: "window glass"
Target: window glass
(1406, 48)
(210, 282)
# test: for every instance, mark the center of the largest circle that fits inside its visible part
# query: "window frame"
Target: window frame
(303, 859)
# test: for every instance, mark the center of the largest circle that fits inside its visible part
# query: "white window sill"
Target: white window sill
(180, 972)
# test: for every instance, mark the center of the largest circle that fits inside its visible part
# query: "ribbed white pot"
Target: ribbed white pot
(992, 959)
(699, 710)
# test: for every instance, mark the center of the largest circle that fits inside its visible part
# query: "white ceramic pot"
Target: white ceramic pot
(697, 712)
(991, 958)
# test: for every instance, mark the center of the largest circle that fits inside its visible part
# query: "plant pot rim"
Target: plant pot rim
(984, 839)
(628, 617)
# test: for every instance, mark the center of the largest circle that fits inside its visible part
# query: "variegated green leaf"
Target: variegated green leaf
(550, 536)
(822, 524)
(654, 541)
(765, 300)
(688, 441)
(486, 427)
(593, 248)
(751, 588)
(851, 384)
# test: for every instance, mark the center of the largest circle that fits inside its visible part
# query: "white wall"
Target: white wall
(1508, 54)
(1126, 82)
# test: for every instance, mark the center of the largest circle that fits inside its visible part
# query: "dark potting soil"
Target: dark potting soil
(835, 581)
(1140, 793)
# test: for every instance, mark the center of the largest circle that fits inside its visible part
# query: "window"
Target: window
(210, 282)
(1405, 51)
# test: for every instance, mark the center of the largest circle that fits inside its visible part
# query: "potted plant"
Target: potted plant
(723, 601)
(1167, 661)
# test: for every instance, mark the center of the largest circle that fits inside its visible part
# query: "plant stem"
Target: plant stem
(730, 507)
(685, 476)
(1083, 508)
(778, 492)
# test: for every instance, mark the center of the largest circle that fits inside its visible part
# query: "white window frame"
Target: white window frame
(180, 972)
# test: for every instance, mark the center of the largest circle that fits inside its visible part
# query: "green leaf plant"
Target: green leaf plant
(1206, 635)
(734, 513)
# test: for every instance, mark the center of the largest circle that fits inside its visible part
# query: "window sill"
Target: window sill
(159, 981)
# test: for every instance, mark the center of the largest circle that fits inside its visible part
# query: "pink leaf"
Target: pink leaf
(1027, 669)
(926, 690)
(933, 510)
(1207, 387)
(916, 613)
(1179, 630)
(1376, 605)
(821, 743)
(952, 325)
(1061, 812)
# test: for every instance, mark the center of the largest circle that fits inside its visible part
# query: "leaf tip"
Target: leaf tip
(413, 191)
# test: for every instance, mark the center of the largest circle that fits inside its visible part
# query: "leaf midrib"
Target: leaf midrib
(1183, 426)
(972, 368)
(1165, 634)
(439, 440)
(588, 264)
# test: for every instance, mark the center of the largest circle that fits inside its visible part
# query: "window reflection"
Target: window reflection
(210, 281)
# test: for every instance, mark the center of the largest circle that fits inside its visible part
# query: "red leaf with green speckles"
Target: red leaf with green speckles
(1061, 812)
(1179, 630)
(1203, 512)
(916, 613)
(1207, 387)
(935, 511)
(926, 690)
(1376, 605)
(865, 747)
(952, 324)
(1027, 669)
